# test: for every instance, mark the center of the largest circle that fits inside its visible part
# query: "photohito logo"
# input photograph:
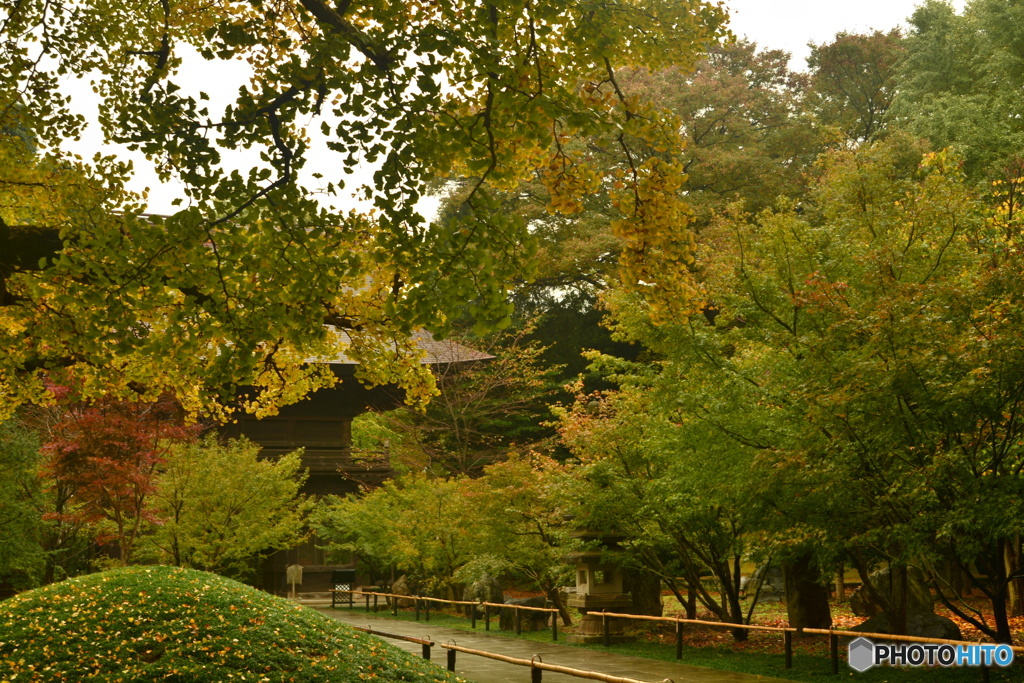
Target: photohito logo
(864, 654)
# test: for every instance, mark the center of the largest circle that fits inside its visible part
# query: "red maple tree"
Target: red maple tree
(106, 454)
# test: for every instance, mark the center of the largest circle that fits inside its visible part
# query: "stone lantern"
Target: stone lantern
(598, 589)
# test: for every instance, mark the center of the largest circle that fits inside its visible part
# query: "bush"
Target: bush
(22, 560)
(222, 508)
(172, 624)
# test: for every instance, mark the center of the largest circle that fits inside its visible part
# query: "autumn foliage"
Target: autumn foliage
(105, 455)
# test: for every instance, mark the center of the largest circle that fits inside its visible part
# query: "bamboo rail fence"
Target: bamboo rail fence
(812, 631)
(787, 634)
(786, 631)
(427, 643)
(516, 609)
(537, 666)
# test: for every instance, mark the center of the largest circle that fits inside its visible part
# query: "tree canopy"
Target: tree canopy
(809, 282)
(855, 379)
(220, 508)
(237, 286)
(961, 82)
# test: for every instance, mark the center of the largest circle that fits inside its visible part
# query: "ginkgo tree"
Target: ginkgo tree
(257, 272)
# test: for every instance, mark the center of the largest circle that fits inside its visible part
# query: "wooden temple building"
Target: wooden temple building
(321, 424)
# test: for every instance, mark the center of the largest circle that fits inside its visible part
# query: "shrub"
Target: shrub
(170, 624)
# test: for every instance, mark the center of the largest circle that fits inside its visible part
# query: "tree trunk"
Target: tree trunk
(731, 598)
(989, 587)
(878, 594)
(1003, 633)
(1000, 587)
(806, 599)
(898, 600)
(736, 612)
(691, 602)
(556, 599)
(951, 576)
(645, 588)
(1015, 575)
(841, 582)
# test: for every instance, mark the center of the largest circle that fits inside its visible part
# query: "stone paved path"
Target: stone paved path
(481, 670)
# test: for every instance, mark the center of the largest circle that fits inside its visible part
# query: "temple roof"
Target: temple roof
(436, 352)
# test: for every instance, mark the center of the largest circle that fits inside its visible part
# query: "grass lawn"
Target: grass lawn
(714, 648)
(145, 624)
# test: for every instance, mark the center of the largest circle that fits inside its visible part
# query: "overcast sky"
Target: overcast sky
(786, 24)
(791, 24)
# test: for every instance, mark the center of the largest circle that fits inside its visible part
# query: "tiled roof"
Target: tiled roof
(435, 352)
(446, 350)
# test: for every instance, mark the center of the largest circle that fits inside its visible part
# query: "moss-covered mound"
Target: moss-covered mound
(150, 624)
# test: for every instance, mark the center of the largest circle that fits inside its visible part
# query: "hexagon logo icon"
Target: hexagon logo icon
(861, 654)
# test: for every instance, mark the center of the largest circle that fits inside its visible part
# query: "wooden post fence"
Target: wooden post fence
(787, 643)
(679, 640)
